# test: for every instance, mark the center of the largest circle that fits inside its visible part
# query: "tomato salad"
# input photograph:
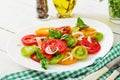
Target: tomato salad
(64, 45)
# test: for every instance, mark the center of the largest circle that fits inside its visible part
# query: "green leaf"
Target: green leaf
(65, 37)
(81, 24)
(80, 21)
(71, 41)
(38, 54)
(44, 62)
(54, 34)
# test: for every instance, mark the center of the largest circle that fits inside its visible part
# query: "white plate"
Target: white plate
(15, 53)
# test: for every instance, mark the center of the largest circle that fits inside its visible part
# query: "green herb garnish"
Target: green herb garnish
(71, 41)
(44, 62)
(81, 24)
(54, 34)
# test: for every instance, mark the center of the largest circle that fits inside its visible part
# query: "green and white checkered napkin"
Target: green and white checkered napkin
(69, 75)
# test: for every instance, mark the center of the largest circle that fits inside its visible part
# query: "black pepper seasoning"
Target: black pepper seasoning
(42, 9)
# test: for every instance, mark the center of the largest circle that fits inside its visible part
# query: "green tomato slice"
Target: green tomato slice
(80, 52)
(99, 36)
(27, 51)
(72, 42)
(56, 59)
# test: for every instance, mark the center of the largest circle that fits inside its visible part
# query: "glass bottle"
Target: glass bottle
(64, 7)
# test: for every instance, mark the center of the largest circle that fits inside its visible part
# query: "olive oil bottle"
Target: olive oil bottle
(64, 7)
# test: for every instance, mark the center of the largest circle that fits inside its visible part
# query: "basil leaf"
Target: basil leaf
(71, 41)
(80, 22)
(65, 37)
(38, 54)
(44, 62)
(54, 34)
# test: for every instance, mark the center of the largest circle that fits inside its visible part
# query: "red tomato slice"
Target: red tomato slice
(34, 58)
(92, 47)
(64, 29)
(53, 44)
(48, 56)
(29, 40)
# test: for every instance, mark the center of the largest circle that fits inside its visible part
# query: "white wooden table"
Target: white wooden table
(16, 15)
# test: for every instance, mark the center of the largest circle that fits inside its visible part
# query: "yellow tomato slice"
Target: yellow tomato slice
(89, 32)
(42, 32)
(67, 61)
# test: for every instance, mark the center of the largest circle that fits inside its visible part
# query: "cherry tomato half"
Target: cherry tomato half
(54, 44)
(68, 61)
(29, 40)
(89, 32)
(64, 29)
(42, 32)
(92, 47)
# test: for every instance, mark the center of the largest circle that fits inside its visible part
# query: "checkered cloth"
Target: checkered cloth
(69, 75)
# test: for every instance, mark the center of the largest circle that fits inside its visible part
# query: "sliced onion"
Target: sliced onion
(38, 39)
(89, 39)
(86, 47)
(77, 33)
(66, 58)
(49, 51)
(70, 56)
(81, 37)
